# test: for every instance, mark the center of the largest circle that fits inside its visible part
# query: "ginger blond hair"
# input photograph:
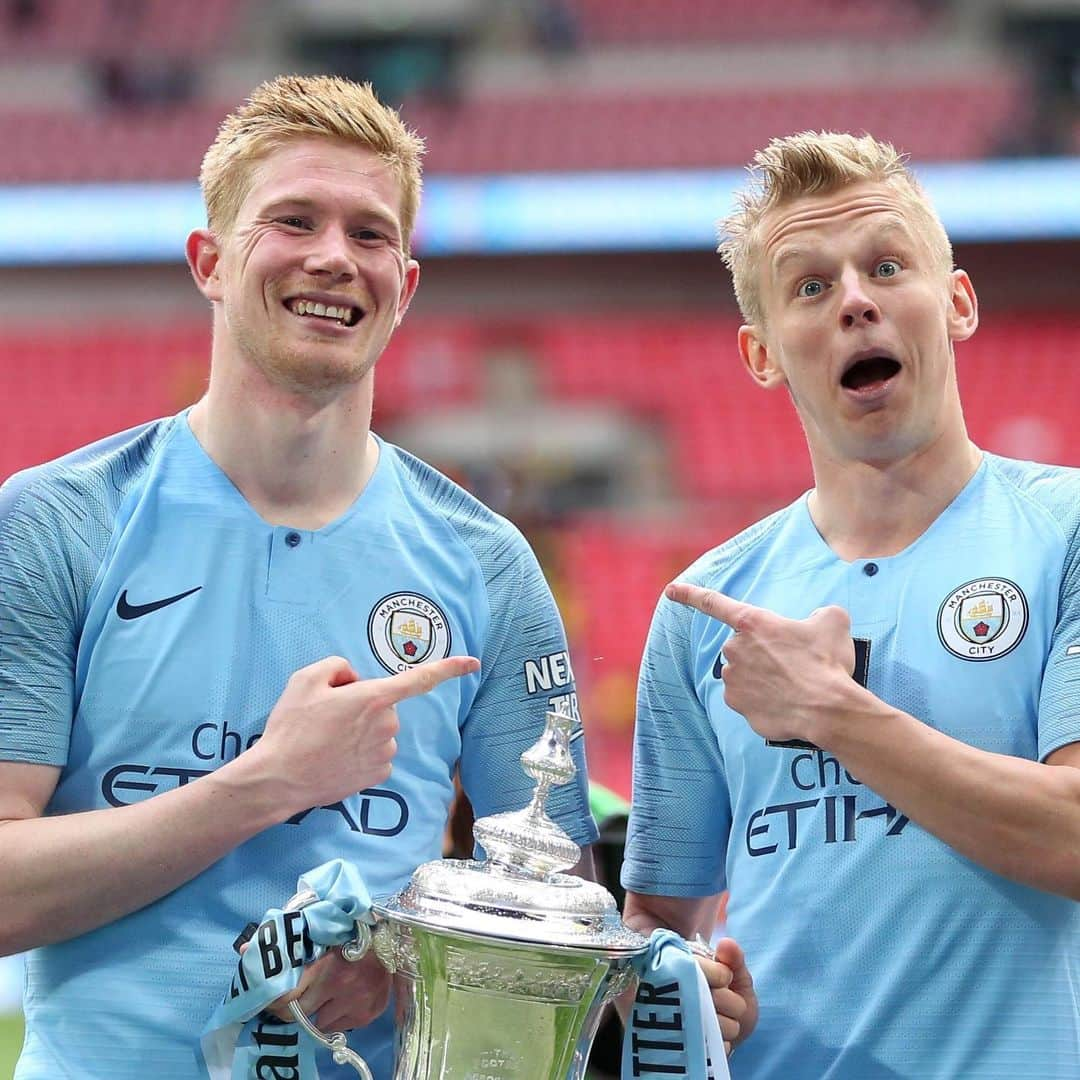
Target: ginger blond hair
(815, 163)
(295, 107)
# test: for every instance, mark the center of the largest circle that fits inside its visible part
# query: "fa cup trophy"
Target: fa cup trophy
(506, 963)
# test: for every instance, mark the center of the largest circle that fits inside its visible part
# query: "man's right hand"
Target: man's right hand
(332, 733)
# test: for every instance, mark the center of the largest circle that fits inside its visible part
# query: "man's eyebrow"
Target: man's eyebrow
(895, 227)
(304, 202)
(787, 255)
(299, 202)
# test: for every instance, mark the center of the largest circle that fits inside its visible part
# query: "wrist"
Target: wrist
(253, 786)
(845, 714)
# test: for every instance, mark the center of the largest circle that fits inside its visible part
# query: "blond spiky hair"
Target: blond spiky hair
(296, 107)
(815, 163)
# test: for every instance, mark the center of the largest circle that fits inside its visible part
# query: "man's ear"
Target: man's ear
(203, 257)
(963, 315)
(408, 289)
(758, 360)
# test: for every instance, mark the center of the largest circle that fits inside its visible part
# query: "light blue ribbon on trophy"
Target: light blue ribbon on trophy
(673, 1030)
(238, 1043)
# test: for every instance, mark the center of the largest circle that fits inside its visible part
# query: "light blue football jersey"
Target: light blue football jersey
(149, 620)
(877, 951)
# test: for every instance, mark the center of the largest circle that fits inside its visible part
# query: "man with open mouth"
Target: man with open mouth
(859, 715)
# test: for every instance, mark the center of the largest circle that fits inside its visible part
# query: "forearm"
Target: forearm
(690, 917)
(687, 916)
(64, 875)
(1016, 817)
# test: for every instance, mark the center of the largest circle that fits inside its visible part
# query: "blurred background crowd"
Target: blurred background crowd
(571, 353)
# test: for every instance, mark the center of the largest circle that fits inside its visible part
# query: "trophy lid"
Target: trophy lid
(518, 893)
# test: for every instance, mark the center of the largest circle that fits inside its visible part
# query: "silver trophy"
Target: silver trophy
(507, 963)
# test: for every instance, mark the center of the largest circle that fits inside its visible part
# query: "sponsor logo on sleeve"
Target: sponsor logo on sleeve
(406, 629)
(983, 619)
(548, 672)
(553, 675)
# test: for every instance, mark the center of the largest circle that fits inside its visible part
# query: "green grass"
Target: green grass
(11, 1034)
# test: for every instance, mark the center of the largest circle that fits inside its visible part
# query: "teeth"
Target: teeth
(324, 311)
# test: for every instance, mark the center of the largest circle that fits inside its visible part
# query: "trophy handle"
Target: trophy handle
(335, 1041)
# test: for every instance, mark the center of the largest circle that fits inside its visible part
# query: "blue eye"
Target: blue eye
(810, 288)
(887, 268)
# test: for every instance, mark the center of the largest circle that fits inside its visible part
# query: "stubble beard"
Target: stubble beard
(303, 371)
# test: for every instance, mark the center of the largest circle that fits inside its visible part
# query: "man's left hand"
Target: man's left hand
(733, 993)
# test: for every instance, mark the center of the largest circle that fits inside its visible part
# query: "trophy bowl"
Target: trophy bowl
(505, 965)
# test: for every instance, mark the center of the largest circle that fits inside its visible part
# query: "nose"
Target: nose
(329, 255)
(857, 308)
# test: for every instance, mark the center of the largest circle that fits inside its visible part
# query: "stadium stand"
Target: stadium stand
(735, 443)
(94, 29)
(632, 130)
(658, 21)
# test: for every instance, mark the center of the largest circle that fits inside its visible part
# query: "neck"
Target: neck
(866, 510)
(298, 458)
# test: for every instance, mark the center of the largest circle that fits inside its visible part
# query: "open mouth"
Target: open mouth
(870, 373)
(342, 314)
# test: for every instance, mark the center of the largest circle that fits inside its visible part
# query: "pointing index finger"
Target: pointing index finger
(423, 679)
(709, 602)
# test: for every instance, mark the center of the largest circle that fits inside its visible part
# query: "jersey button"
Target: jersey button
(292, 539)
(870, 569)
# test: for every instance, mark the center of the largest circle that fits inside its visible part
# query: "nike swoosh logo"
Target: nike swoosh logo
(136, 611)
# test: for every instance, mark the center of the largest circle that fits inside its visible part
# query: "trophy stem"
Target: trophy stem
(527, 840)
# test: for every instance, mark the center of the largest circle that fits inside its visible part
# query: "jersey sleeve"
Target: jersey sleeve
(680, 815)
(39, 616)
(525, 672)
(1059, 700)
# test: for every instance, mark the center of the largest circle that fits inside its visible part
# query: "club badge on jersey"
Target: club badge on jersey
(406, 629)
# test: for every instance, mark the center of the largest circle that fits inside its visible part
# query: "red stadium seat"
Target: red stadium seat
(707, 128)
(657, 21)
(81, 29)
(63, 391)
(947, 120)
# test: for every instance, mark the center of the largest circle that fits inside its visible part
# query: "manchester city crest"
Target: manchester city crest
(983, 619)
(405, 629)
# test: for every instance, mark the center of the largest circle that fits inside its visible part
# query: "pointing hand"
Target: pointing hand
(332, 733)
(786, 676)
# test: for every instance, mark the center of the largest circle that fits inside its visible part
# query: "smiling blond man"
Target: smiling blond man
(240, 641)
(860, 714)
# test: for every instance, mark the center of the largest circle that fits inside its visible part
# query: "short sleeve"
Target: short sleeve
(525, 670)
(39, 612)
(680, 815)
(1059, 700)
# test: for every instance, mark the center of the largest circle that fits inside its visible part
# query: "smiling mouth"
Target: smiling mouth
(342, 314)
(870, 373)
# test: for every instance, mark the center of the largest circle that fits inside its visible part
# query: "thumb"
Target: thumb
(729, 952)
